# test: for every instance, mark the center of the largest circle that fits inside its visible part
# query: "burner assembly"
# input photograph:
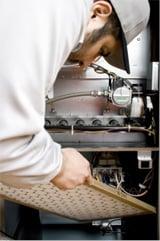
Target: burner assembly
(115, 105)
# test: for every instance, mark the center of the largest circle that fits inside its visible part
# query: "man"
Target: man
(37, 37)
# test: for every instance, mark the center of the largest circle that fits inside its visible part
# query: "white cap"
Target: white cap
(133, 16)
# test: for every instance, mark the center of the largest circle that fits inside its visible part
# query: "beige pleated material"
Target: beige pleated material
(86, 202)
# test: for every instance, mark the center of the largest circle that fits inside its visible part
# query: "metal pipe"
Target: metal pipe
(93, 93)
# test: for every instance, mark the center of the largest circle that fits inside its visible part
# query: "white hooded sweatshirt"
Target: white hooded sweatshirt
(36, 37)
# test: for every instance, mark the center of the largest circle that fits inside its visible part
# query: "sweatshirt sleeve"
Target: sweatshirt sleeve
(33, 48)
(31, 160)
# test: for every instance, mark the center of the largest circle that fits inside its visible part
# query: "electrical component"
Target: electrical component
(144, 160)
(107, 174)
(149, 103)
(107, 226)
(108, 170)
(137, 107)
(121, 96)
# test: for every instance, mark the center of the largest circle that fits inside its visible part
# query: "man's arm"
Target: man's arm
(39, 160)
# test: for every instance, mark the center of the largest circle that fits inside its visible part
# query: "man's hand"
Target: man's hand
(75, 170)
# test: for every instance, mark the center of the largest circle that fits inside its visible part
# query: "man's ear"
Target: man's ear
(101, 9)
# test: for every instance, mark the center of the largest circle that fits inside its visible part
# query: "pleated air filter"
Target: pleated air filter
(86, 202)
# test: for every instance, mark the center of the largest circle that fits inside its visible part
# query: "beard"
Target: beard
(75, 58)
(79, 55)
(89, 40)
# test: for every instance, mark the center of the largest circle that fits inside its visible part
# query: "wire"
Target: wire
(114, 220)
(134, 195)
(100, 70)
(147, 178)
(118, 183)
(102, 128)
